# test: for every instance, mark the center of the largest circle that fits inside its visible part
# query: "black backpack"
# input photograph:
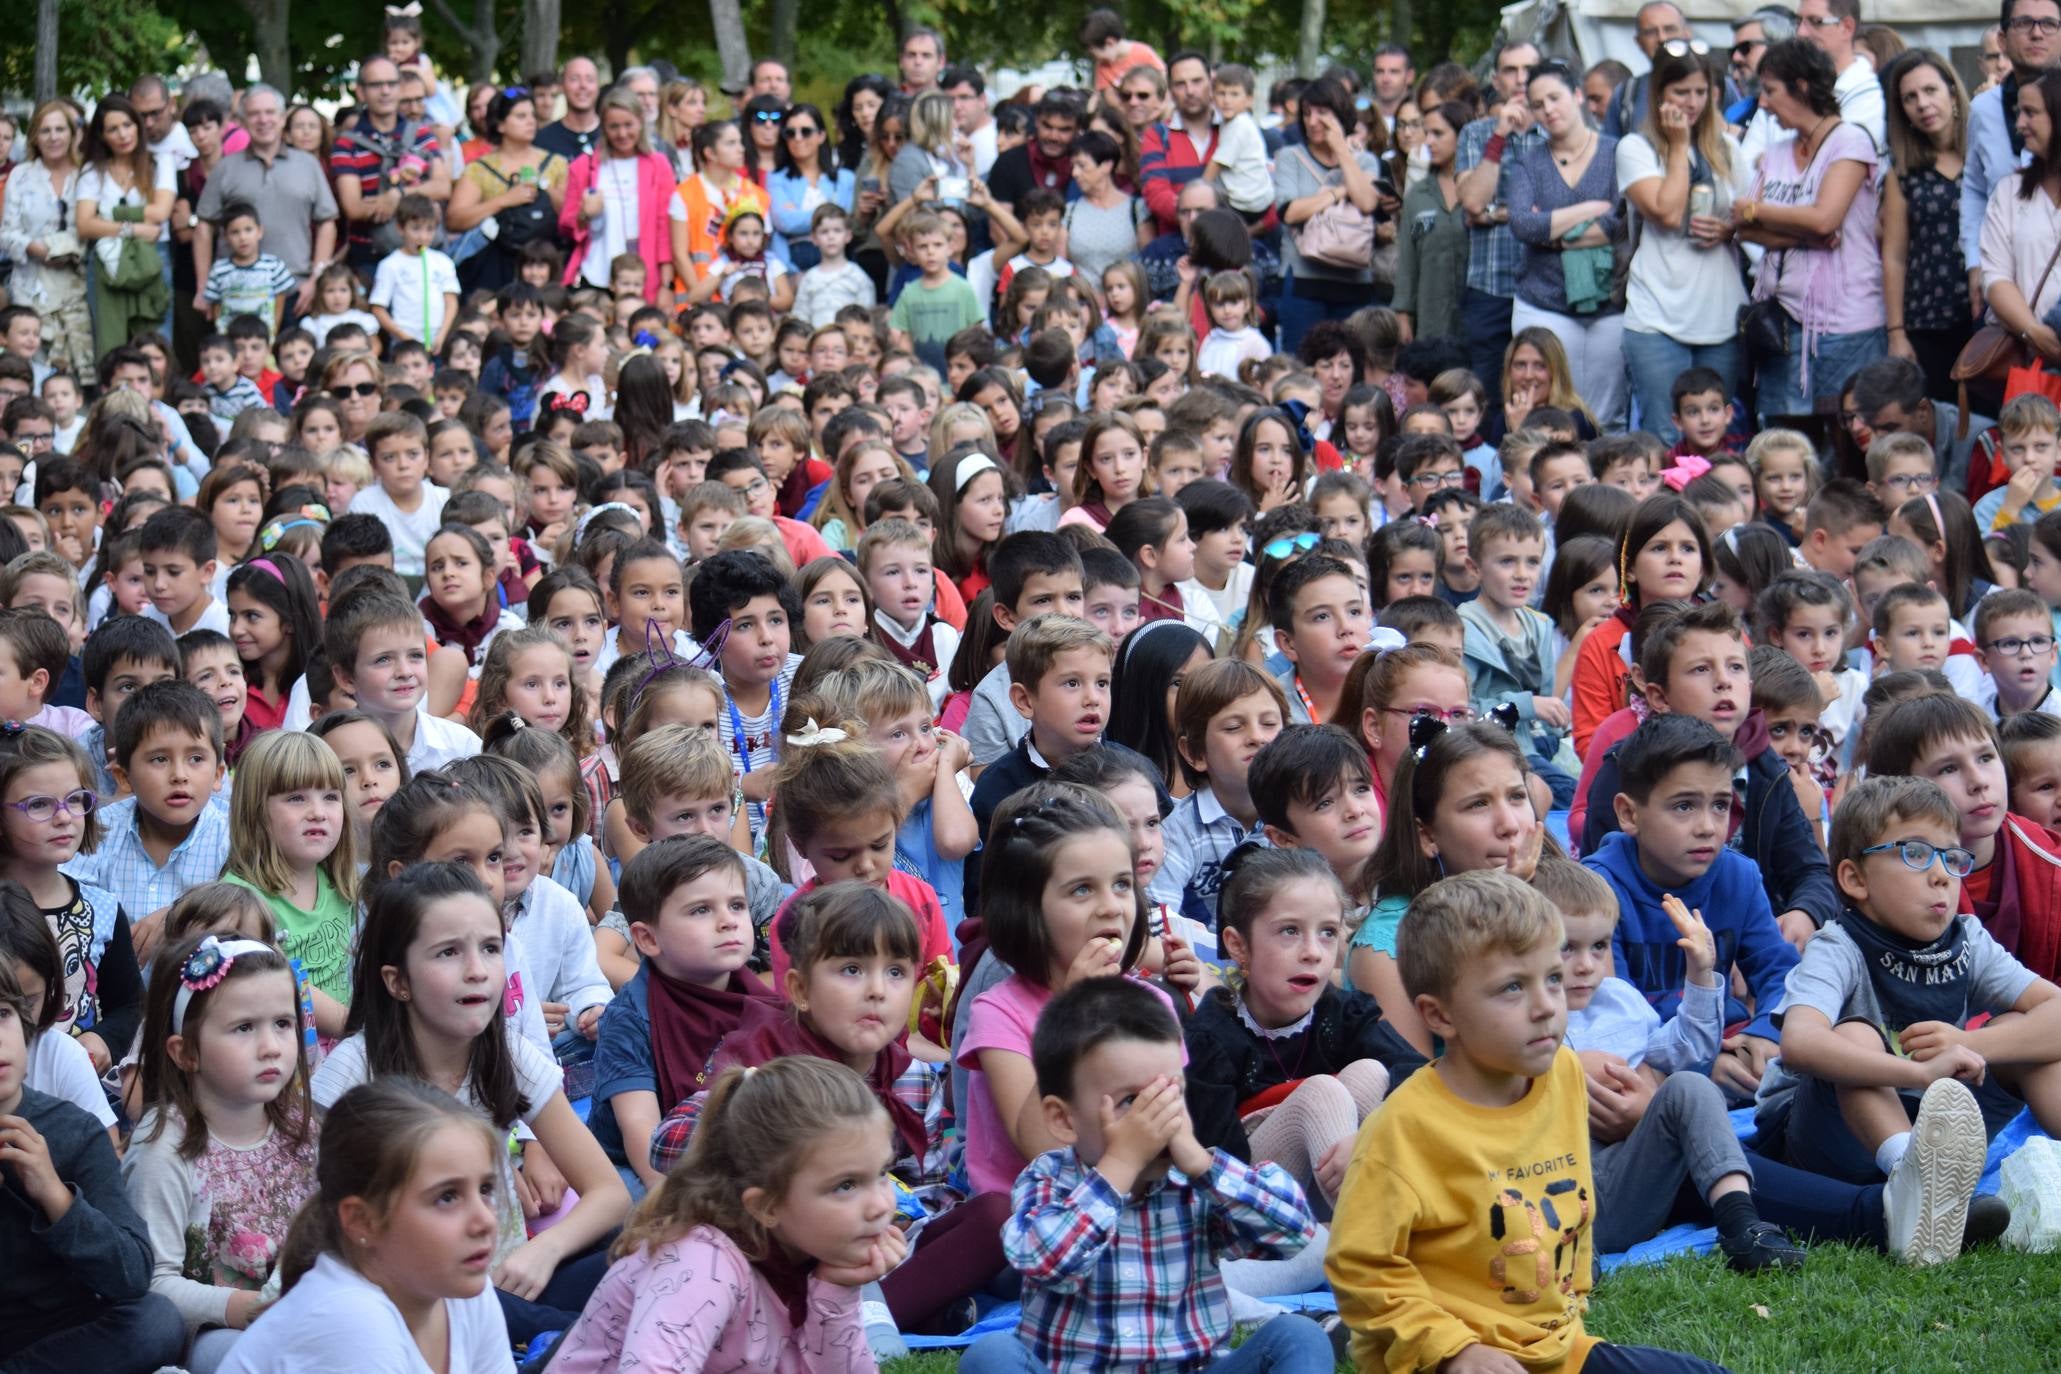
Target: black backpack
(525, 223)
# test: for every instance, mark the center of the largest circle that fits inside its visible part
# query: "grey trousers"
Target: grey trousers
(1685, 1135)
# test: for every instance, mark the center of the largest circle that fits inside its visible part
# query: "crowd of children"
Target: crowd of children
(545, 832)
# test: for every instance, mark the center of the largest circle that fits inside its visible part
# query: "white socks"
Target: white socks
(1891, 1151)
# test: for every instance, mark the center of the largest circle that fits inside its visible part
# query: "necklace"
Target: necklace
(1806, 144)
(1568, 159)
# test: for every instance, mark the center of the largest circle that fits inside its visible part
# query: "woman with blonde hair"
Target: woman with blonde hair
(682, 108)
(1535, 374)
(353, 380)
(616, 201)
(39, 232)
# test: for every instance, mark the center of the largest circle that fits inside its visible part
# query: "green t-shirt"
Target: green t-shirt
(930, 315)
(320, 939)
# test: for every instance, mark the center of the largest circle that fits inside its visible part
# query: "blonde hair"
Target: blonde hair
(281, 761)
(756, 1130)
(762, 537)
(674, 760)
(837, 502)
(1035, 644)
(348, 463)
(2027, 414)
(1573, 889)
(874, 690)
(1459, 919)
(819, 782)
(960, 413)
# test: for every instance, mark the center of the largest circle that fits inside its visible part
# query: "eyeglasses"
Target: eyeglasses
(1432, 481)
(1134, 97)
(1407, 125)
(2022, 24)
(769, 116)
(1823, 21)
(1911, 483)
(756, 486)
(152, 114)
(2011, 646)
(43, 808)
(350, 389)
(799, 131)
(1287, 546)
(1682, 47)
(379, 85)
(1919, 854)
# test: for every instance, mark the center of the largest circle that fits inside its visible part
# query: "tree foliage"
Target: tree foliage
(102, 44)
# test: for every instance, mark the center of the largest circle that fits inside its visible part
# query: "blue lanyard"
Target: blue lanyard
(737, 735)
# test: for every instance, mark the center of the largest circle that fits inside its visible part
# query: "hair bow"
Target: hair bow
(516, 722)
(813, 734)
(1429, 522)
(580, 530)
(574, 401)
(11, 729)
(411, 10)
(1299, 412)
(207, 966)
(1382, 639)
(1424, 732)
(644, 338)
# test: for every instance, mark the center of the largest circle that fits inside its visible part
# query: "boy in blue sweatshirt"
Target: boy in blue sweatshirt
(1673, 801)
(1696, 665)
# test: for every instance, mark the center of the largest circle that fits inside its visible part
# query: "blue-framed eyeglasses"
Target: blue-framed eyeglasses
(1917, 855)
(1288, 545)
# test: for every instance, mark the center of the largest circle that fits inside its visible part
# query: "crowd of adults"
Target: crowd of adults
(1839, 192)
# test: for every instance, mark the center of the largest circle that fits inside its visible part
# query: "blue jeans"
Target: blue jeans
(1486, 319)
(1835, 359)
(1644, 1359)
(1290, 1344)
(130, 1337)
(1656, 360)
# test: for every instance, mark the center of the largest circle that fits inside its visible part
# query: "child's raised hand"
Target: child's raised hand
(1181, 968)
(953, 752)
(889, 1248)
(1525, 861)
(1136, 1137)
(1696, 943)
(1098, 958)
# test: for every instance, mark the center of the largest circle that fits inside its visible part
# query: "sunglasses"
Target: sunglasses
(769, 116)
(1682, 47)
(799, 131)
(1287, 546)
(354, 389)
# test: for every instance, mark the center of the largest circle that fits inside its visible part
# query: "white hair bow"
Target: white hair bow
(813, 734)
(1382, 639)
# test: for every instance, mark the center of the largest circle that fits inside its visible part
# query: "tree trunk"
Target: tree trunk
(893, 10)
(786, 17)
(482, 35)
(1309, 40)
(540, 22)
(269, 41)
(46, 50)
(726, 17)
(1400, 22)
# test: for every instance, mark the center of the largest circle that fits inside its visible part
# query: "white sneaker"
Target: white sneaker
(1926, 1202)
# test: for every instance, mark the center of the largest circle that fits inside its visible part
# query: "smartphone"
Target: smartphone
(871, 184)
(952, 189)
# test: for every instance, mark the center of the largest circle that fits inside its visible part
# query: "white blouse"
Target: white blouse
(2018, 239)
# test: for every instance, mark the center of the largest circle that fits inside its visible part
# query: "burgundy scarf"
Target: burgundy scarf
(772, 1032)
(468, 635)
(689, 1022)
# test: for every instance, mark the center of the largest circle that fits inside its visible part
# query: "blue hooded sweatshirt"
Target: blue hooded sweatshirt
(1734, 906)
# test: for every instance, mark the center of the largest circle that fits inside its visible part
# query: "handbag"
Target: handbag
(1764, 325)
(1993, 352)
(1340, 235)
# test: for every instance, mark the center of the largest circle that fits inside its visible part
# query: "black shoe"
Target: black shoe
(1341, 1337)
(1764, 1245)
(1988, 1218)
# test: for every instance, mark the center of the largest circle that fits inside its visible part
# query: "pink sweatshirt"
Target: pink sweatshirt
(697, 1303)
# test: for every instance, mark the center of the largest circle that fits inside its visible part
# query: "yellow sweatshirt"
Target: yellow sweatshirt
(1459, 1225)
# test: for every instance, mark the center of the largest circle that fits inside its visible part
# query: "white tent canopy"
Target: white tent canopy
(1595, 29)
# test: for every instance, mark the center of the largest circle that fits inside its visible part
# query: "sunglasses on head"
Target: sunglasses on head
(1289, 545)
(349, 389)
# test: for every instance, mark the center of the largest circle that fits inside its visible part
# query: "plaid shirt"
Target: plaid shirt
(1111, 1282)
(125, 868)
(1493, 254)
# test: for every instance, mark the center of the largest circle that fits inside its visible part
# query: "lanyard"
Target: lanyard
(742, 741)
(1307, 704)
(427, 333)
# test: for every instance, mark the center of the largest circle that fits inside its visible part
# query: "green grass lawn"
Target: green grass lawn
(1847, 1312)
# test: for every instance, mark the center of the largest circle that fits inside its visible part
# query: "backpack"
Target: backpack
(525, 223)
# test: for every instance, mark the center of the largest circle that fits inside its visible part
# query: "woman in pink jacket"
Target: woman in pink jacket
(620, 199)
